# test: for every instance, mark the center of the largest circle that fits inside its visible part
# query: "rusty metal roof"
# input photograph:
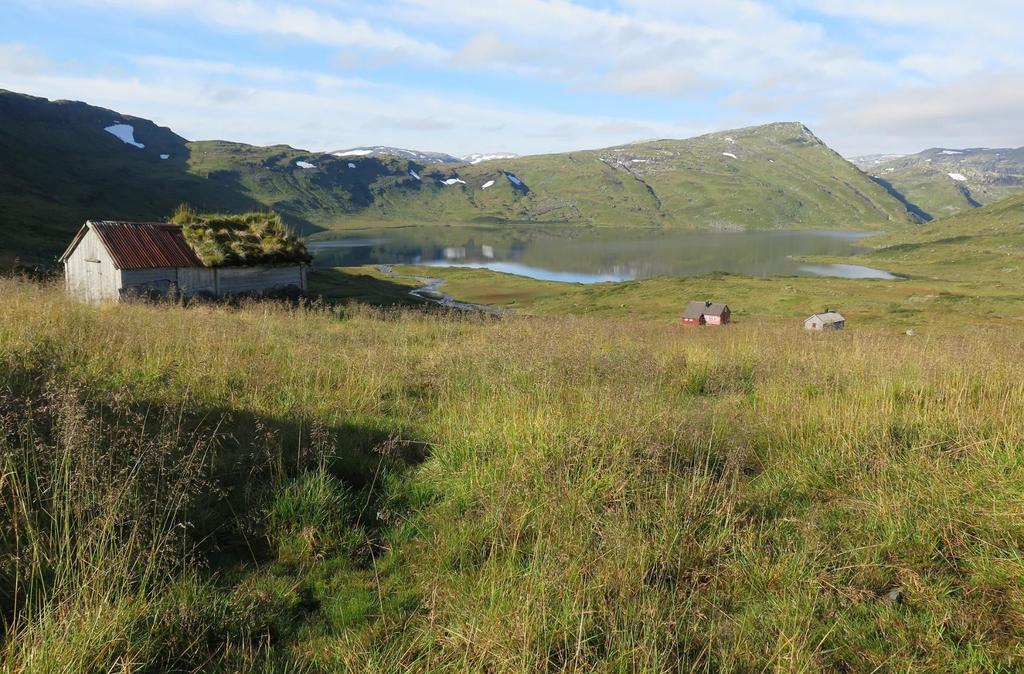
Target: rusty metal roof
(145, 245)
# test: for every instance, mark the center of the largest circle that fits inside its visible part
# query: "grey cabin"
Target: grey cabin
(110, 261)
(827, 320)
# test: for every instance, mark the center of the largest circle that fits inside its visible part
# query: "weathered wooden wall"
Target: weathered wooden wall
(197, 281)
(138, 281)
(241, 280)
(89, 271)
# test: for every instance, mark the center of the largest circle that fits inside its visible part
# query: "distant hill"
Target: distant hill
(868, 162)
(941, 181)
(385, 151)
(773, 176)
(65, 162)
(984, 244)
(382, 151)
(60, 166)
(478, 157)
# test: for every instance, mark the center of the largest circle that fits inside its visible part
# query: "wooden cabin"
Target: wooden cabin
(706, 313)
(827, 320)
(110, 261)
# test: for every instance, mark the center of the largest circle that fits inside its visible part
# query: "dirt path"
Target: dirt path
(430, 292)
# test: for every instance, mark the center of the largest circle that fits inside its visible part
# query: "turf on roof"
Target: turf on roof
(247, 239)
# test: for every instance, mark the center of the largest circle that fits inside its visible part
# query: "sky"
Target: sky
(531, 76)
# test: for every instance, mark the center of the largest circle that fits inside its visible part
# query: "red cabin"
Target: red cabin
(706, 313)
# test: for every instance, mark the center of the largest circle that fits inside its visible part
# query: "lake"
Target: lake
(598, 255)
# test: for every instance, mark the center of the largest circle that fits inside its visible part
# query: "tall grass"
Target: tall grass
(364, 490)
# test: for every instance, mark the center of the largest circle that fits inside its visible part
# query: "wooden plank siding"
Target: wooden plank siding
(89, 271)
(140, 281)
(242, 280)
(215, 282)
(197, 281)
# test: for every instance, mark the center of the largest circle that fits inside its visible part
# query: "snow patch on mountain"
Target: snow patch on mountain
(489, 183)
(478, 157)
(951, 152)
(351, 165)
(454, 181)
(959, 177)
(165, 156)
(305, 165)
(401, 153)
(729, 154)
(873, 159)
(415, 175)
(125, 132)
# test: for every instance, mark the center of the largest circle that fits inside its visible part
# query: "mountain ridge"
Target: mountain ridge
(946, 181)
(66, 165)
(380, 151)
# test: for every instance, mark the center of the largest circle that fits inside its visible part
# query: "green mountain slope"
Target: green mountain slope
(984, 244)
(62, 166)
(944, 182)
(773, 176)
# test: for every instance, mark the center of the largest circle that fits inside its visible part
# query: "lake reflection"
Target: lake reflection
(594, 256)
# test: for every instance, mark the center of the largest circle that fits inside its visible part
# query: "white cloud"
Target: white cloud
(851, 68)
(23, 59)
(190, 67)
(673, 49)
(656, 81)
(290, 20)
(273, 106)
(974, 111)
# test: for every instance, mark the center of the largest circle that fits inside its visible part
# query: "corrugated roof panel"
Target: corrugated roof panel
(145, 245)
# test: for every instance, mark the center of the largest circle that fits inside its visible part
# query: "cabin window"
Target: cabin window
(92, 260)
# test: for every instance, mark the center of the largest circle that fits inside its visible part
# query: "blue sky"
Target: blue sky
(531, 76)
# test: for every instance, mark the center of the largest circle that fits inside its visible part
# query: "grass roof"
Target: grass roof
(245, 239)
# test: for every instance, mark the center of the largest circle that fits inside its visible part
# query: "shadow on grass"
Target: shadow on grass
(921, 214)
(226, 467)
(258, 454)
(909, 247)
(337, 286)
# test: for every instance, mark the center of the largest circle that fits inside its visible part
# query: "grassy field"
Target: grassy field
(270, 487)
(961, 269)
(985, 245)
(895, 305)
